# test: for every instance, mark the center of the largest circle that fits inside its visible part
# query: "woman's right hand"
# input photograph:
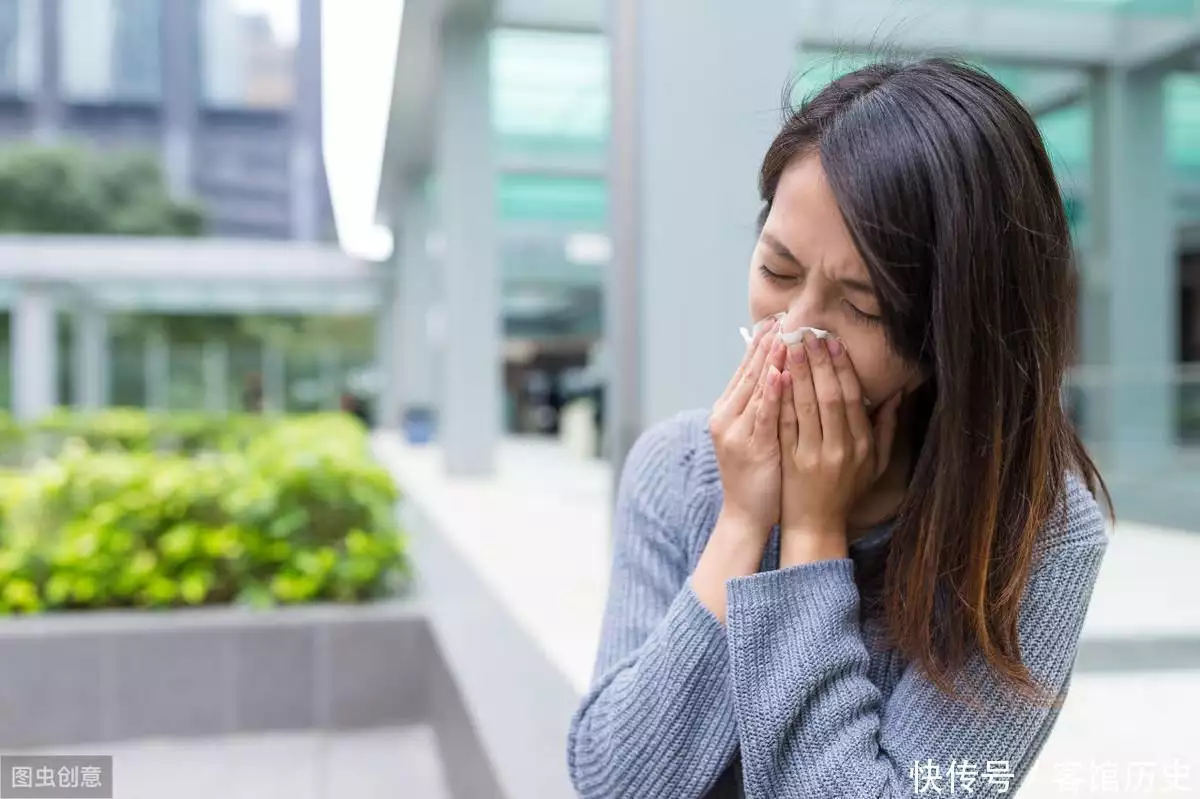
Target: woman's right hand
(745, 430)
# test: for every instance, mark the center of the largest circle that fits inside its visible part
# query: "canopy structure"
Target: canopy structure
(192, 276)
(93, 277)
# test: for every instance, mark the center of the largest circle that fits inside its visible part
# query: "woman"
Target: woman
(863, 573)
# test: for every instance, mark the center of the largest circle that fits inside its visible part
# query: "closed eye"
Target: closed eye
(863, 316)
(775, 277)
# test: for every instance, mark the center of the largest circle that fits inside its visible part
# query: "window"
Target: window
(111, 50)
(248, 52)
(20, 51)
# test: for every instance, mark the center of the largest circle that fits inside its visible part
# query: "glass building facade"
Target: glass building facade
(19, 47)
(227, 92)
(111, 50)
(248, 60)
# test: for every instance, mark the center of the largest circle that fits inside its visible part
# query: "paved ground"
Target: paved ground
(1165, 493)
(1123, 734)
(375, 764)
(539, 528)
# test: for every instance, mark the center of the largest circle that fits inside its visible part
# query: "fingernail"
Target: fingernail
(813, 342)
(835, 347)
(798, 354)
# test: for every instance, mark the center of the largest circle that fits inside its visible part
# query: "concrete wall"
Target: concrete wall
(92, 678)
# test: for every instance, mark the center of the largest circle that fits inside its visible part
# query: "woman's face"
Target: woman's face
(806, 265)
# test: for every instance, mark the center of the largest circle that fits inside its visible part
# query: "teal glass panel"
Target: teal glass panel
(186, 389)
(526, 197)
(127, 378)
(1068, 136)
(245, 374)
(1183, 120)
(550, 92)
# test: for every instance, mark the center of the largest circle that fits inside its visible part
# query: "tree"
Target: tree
(76, 190)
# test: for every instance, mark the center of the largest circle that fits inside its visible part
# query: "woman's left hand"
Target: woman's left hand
(832, 452)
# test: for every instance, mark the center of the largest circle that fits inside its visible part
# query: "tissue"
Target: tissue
(789, 337)
(795, 336)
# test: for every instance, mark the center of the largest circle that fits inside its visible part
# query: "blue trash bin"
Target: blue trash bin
(419, 425)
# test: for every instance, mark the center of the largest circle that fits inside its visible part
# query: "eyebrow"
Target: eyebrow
(776, 246)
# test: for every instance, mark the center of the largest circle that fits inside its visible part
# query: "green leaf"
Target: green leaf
(256, 596)
(178, 543)
(84, 589)
(21, 595)
(194, 586)
(58, 589)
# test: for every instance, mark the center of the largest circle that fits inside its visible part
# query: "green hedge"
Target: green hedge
(153, 512)
(139, 431)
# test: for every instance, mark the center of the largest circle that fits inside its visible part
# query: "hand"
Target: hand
(745, 430)
(831, 451)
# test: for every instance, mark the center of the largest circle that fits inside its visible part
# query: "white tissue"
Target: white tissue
(790, 337)
(748, 335)
(797, 335)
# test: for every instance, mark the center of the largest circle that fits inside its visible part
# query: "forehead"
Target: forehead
(806, 219)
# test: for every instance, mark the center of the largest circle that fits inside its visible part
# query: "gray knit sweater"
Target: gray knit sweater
(795, 696)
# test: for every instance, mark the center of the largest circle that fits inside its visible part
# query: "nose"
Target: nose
(805, 310)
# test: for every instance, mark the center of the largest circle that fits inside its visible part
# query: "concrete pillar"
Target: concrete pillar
(406, 349)
(183, 90)
(694, 110)
(416, 297)
(387, 345)
(307, 193)
(469, 419)
(48, 105)
(157, 364)
(92, 356)
(34, 337)
(304, 203)
(1131, 324)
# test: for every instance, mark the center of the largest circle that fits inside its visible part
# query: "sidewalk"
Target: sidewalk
(363, 764)
(536, 535)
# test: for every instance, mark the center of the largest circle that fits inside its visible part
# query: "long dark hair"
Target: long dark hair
(945, 185)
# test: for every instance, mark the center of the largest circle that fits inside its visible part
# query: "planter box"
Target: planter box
(90, 678)
(95, 677)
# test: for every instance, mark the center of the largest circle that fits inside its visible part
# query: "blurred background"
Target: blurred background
(269, 266)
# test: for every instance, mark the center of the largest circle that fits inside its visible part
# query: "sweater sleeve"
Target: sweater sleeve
(813, 725)
(658, 719)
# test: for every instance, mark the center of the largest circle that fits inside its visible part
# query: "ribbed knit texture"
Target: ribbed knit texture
(794, 694)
